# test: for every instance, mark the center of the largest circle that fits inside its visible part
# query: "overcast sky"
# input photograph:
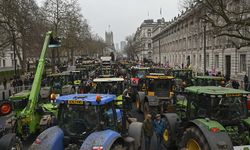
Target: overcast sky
(124, 16)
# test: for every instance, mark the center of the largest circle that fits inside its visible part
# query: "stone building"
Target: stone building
(7, 59)
(143, 38)
(181, 41)
(109, 40)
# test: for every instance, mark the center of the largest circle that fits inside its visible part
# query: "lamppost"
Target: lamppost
(205, 45)
(159, 50)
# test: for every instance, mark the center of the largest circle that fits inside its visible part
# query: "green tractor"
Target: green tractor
(209, 117)
(32, 114)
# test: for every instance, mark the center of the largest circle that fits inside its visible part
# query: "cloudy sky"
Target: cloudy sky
(124, 16)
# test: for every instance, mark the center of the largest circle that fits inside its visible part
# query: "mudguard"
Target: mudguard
(103, 139)
(216, 140)
(135, 131)
(142, 97)
(49, 139)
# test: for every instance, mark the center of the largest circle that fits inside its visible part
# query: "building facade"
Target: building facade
(7, 59)
(187, 40)
(143, 38)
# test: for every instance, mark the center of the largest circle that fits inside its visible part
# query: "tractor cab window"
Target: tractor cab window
(151, 84)
(110, 88)
(198, 106)
(78, 120)
(229, 108)
(181, 106)
(108, 116)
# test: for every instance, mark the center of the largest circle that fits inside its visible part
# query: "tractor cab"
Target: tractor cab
(109, 86)
(80, 115)
(209, 81)
(225, 106)
(159, 85)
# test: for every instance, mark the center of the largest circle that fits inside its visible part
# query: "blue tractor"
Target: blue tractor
(88, 122)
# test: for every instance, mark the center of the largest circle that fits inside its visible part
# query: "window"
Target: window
(149, 45)
(3, 63)
(216, 61)
(242, 62)
(207, 60)
(194, 59)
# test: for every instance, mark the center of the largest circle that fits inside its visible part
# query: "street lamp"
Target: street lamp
(159, 50)
(205, 45)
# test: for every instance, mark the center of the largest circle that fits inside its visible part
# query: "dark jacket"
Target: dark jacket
(147, 127)
(159, 127)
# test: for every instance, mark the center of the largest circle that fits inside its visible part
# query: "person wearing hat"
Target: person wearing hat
(148, 130)
(159, 127)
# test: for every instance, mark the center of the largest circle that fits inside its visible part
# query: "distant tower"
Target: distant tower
(109, 40)
(123, 44)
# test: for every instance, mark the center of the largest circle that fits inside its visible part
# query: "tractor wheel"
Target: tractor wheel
(193, 139)
(138, 103)
(5, 107)
(167, 136)
(145, 109)
(10, 142)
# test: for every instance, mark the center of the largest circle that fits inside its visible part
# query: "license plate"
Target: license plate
(245, 147)
(75, 102)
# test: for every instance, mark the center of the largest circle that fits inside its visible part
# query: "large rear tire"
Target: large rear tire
(10, 142)
(167, 135)
(193, 139)
(135, 131)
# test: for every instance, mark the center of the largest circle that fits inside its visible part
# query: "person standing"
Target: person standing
(148, 130)
(159, 127)
(127, 98)
(246, 82)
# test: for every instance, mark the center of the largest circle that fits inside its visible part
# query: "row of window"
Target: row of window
(242, 61)
(2, 63)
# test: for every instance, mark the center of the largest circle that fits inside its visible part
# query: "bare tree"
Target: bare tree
(18, 26)
(130, 48)
(230, 18)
